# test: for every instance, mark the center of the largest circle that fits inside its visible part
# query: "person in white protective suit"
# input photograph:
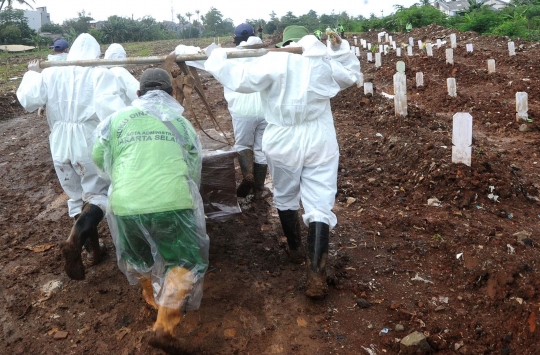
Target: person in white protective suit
(77, 99)
(248, 124)
(247, 117)
(300, 140)
(128, 84)
(60, 51)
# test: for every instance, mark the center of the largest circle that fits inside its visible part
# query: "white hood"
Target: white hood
(115, 51)
(85, 47)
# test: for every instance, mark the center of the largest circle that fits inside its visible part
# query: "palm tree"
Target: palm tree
(475, 5)
(181, 20)
(197, 12)
(10, 2)
(521, 2)
(188, 15)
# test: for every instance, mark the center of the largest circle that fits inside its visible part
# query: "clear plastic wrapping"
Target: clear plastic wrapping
(153, 156)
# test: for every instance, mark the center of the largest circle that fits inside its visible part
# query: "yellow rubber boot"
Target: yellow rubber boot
(177, 285)
(148, 292)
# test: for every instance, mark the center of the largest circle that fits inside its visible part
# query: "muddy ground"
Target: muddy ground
(464, 273)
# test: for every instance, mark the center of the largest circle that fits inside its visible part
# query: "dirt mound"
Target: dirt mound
(9, 106)
(422, 244)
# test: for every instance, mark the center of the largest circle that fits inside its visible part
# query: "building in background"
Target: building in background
(495, 4)
(452, 7)
(98, 25)
(37, 18)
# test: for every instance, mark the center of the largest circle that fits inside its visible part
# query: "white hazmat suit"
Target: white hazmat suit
(248, 122)
(128, 84)
(60, 57)
(77, 99)
(246, 109)
(300, 140)
(247, 115)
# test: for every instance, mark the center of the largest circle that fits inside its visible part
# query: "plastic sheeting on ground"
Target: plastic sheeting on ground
(15, 48)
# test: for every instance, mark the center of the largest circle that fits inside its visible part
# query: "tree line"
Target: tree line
(521, 19)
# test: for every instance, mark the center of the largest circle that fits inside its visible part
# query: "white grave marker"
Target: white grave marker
(439, 43)
(429, 49)
(400, 94)
(420, 44)
(409, 51)
(411, 41)
(522, 106)
(469, 47)
(511, 49)
(355, 40)
(451, 84)
(368, 88)
(386, 37)
(369, 46)
(389, 39)
(357, 51)
(398, 51)
(462, 138)
(449, 56)
(453, 42)
(419, 79)
(400, 66)
(369, 57)
(491, 66)
(360, 81)
(378, 60)
(394, 45)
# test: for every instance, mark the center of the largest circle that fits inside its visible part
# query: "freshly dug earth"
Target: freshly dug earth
(463, 273)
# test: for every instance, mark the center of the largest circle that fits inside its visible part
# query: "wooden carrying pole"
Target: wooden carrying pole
(248, 53)
(183, 91)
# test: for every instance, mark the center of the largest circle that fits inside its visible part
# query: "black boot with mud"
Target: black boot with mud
(93, 253)
(245, 159)
(85, 228)
(292, 230)
(259, 174)
(316, 286)
(171, 345)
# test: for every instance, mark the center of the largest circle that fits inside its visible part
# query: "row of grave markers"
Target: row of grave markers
(383, 48)
(429, 52)
(449, 58)
(462, 122)
(400, 92)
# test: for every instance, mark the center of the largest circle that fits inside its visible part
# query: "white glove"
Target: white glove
(34, 66)
(208, 50)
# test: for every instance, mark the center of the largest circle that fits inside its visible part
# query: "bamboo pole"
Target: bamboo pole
(249, 53)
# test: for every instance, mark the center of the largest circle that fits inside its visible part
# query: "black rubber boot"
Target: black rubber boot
(318, 236)
(245, 159)
(291, 227)
(259, 175)
(85, 228)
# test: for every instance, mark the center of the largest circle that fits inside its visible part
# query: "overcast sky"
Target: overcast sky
(238, 11)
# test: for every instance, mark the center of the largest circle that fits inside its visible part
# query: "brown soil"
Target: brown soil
(393, 259)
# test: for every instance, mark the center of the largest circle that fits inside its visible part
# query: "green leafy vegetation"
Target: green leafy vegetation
(520, 19)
